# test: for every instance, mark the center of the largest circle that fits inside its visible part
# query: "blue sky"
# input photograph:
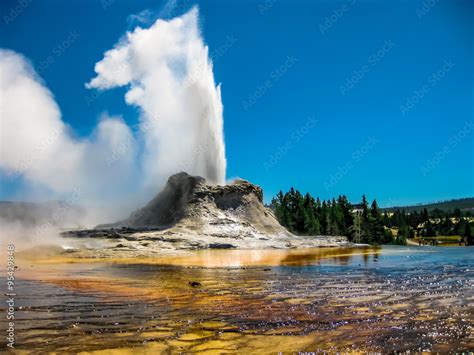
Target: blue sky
(330, 97)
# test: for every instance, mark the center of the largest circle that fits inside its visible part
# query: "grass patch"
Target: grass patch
(442, 239)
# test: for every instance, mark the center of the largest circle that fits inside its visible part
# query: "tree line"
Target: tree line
(363, 223)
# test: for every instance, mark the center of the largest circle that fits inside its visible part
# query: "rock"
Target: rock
(167, 208)
(187, 201)
(194, 284)
(191, 214)
(221, 246)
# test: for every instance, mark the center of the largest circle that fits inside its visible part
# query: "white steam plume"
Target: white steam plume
(36, 144)
(170, 78)
(168, 73)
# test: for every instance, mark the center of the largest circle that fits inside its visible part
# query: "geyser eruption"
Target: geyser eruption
(170, 78)
(168, 75)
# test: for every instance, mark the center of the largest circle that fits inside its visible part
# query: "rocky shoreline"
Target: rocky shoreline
(129, 242)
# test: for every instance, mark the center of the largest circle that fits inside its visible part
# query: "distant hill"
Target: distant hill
(464, 204)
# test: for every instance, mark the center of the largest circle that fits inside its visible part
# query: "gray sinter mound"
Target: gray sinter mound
(188, 201)
(190, 214)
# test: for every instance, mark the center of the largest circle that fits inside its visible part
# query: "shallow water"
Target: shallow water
(331, 299)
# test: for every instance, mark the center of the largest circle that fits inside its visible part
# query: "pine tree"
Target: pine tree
(299, 212)
(402, 235)
(365, 228)
(311, 225)
(469, 240)
(377, 230)
(425, 215)
(324, 221)
(457, 213)
(430, 230)
(355, 229)
(347, 217)
(282, 211)
(365, 207)
(335, 219)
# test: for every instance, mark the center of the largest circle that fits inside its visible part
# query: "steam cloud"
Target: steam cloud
(168, 74)
(170, 78)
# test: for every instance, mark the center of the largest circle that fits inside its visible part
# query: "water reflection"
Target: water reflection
(239, 258)
(366, 299)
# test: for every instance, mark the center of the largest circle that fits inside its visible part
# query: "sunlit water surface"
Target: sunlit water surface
(331, 299)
